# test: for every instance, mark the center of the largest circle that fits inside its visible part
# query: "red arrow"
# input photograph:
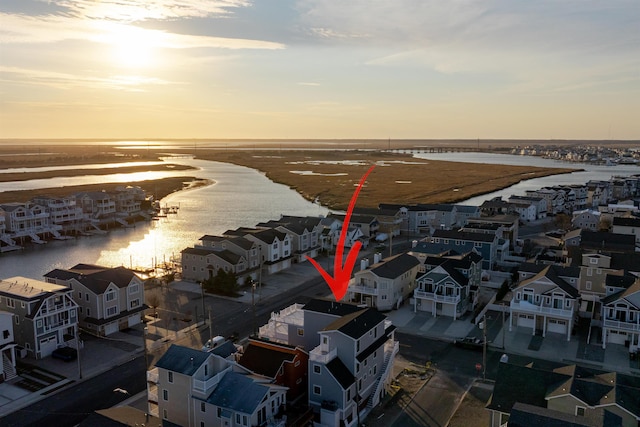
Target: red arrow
(339, 282)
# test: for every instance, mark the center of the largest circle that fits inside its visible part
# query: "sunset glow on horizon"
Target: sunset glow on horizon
(422, 69)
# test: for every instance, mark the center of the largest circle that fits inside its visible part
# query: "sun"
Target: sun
(133, 47)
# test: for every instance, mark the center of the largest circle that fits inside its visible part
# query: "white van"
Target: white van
(213, 343)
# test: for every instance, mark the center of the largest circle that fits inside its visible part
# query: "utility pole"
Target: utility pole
(253, 306)
(210, 326)
(484, 347)
(144, 343)
(202, 294)
(78, 353)
(503, 331)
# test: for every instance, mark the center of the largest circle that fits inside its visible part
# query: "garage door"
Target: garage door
(133, 320)
(557, 326)
(616, 337)
(47, 345)
(111, 328)
(526, 320)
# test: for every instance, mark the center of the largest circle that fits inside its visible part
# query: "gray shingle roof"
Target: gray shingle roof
(327, 306)
(94, 277)
(340, 372)
(395, 266)
(238, 393)
(183, 360)
(355, 325)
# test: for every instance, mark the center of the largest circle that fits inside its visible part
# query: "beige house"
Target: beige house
(45, 314)
(621, 315)
(109, 299)
(545, 303)
(385, 284)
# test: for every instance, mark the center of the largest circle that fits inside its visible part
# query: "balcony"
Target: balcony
(527, 307)
(206, 385)
(368, 290)
(317, 355)
(152, 376)
(625, 326)
(454, 299)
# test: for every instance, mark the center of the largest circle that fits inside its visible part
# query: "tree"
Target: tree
(563, 221)
(153, 300)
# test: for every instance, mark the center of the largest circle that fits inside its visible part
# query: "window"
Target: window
(164, 414)
(245, 420)
(580, 410)
(134, 303)
(170, 376)
(203, 407)
(79, 295)
(112, 311)
(5, 334)
(39, 323)
(297, 363)
(133, 289)
(588, 285)
(593, 260)
(165, 395)
(316, 369)
(88, 312)
(201, 423)
(219, 412)
(110, 295)
(237, 418)
(317, 390)
(300, 332)
(11, 303)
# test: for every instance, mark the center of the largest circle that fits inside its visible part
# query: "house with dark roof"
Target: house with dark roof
(275, 246)
(351, 354)
(449, 284)
(488, 245)
(424, 218)
(283, 364)
(204, 263)
(621, 313)
(594, 397)
(237, 244)
(350, 371)
(605, 241)
(367, 225)
(45, 315)
(193, 388)
(385, 284)
(109, 299)
(305, 234)
(586, 219)
(627, 225)
(545, 303)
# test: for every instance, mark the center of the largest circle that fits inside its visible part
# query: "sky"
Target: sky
(363, 69)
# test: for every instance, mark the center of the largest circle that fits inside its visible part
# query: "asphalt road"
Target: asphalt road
(73, 404)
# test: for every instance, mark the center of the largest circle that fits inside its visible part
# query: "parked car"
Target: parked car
(472, 343)
(65, 353)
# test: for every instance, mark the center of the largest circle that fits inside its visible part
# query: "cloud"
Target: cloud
(67, 81)
(136, 10)
(104, 21)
